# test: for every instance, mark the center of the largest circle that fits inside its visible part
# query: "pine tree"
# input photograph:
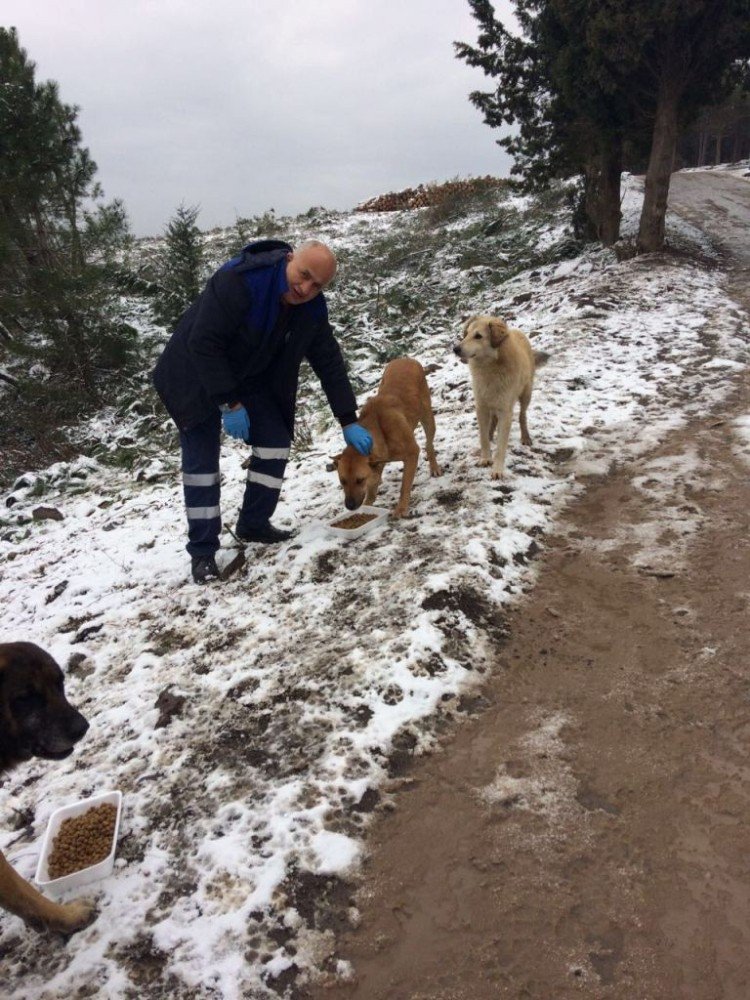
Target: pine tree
(570, 118)
(587, 81)
(58, 304)
(693, 52)
(721, 132)
(34, 151)
(179, 267)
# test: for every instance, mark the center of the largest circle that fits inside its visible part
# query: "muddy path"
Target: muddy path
(587, 832)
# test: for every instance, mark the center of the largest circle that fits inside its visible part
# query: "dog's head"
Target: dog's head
(481, 337)
(356, 473)
(36, 719)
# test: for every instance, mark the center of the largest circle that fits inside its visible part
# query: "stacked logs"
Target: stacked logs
(426, 195)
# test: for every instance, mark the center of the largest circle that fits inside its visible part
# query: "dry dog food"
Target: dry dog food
(355, 521)
(83, 841)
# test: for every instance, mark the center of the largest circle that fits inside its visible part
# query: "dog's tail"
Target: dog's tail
(541, 358)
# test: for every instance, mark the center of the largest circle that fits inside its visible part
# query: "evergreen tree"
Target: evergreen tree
(57, 245)
(587, 81)
(570, 117)
(179, 267)
(720, 133)
(692, 52)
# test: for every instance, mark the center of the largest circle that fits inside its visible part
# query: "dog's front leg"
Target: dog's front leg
(484, 419)
(407, 481)
(21, 898)
(503, 433)
(374, 485)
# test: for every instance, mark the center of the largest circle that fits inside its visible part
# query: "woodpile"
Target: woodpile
(428, 194)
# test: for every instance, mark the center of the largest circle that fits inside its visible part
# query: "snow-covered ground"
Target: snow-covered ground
(741, 429)
(739, 169)
(253, 726)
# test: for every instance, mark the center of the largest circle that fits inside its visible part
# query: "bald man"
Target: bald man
(234, 361)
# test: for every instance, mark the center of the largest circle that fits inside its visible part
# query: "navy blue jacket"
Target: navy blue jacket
(238, 338)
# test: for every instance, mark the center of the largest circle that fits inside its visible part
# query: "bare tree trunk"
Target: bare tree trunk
(658, 174)
(702, 147)
(611, 215)
(736, 144)
(717, 154)
(602, 195)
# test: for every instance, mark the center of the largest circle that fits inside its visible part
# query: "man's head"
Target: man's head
(309, 269)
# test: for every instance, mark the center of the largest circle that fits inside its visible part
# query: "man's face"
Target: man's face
(308, 271)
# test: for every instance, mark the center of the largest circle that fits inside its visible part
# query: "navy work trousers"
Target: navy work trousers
(270, 441)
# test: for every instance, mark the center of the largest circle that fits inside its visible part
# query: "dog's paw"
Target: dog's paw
(399, 511)
(435, 471)
(496, 474)
(483, 463)
(75, 916)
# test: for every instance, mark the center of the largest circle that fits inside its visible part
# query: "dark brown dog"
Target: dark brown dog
(36, 720)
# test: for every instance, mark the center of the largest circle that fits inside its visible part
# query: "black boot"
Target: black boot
(204, 569)
(264, 533)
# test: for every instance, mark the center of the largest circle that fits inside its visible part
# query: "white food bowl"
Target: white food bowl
(380, 515)
(101, 869)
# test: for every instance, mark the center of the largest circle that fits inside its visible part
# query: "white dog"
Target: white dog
(502, 365)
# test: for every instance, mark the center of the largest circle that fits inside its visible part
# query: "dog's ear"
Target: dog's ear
(333, 464)
(466, 325)
(376, 463)
(498, 331)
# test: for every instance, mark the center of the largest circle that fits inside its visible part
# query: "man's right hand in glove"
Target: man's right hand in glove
(236, 422)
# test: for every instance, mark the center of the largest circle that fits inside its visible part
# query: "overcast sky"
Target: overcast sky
(243, 105)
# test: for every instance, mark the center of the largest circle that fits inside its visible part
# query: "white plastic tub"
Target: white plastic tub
(101, 869)
(380, 515)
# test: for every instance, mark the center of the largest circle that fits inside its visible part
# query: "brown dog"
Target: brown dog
(502, 366)
(402, 402)
(36, 720)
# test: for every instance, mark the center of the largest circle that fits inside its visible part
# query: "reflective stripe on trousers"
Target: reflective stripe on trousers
(201, 485)
(201, 481)
(266, 473)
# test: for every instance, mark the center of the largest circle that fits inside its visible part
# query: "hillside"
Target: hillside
(297, 692)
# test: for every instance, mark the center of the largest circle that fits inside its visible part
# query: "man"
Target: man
(234, 359)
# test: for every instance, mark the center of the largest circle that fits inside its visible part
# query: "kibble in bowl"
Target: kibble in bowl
(353, 521)
(357, 523)
(80, 843)
(83, 841)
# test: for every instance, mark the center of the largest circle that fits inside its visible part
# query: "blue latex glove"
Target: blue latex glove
(237, 423)
(358, 438)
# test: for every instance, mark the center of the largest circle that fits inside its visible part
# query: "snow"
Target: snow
(740, 169)
(741, 428)
(308, 676)
(550, 790)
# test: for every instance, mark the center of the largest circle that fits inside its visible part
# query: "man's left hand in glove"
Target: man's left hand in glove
(359, 438)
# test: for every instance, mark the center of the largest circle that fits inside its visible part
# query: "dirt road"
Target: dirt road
(719, 204)
(587, 833)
